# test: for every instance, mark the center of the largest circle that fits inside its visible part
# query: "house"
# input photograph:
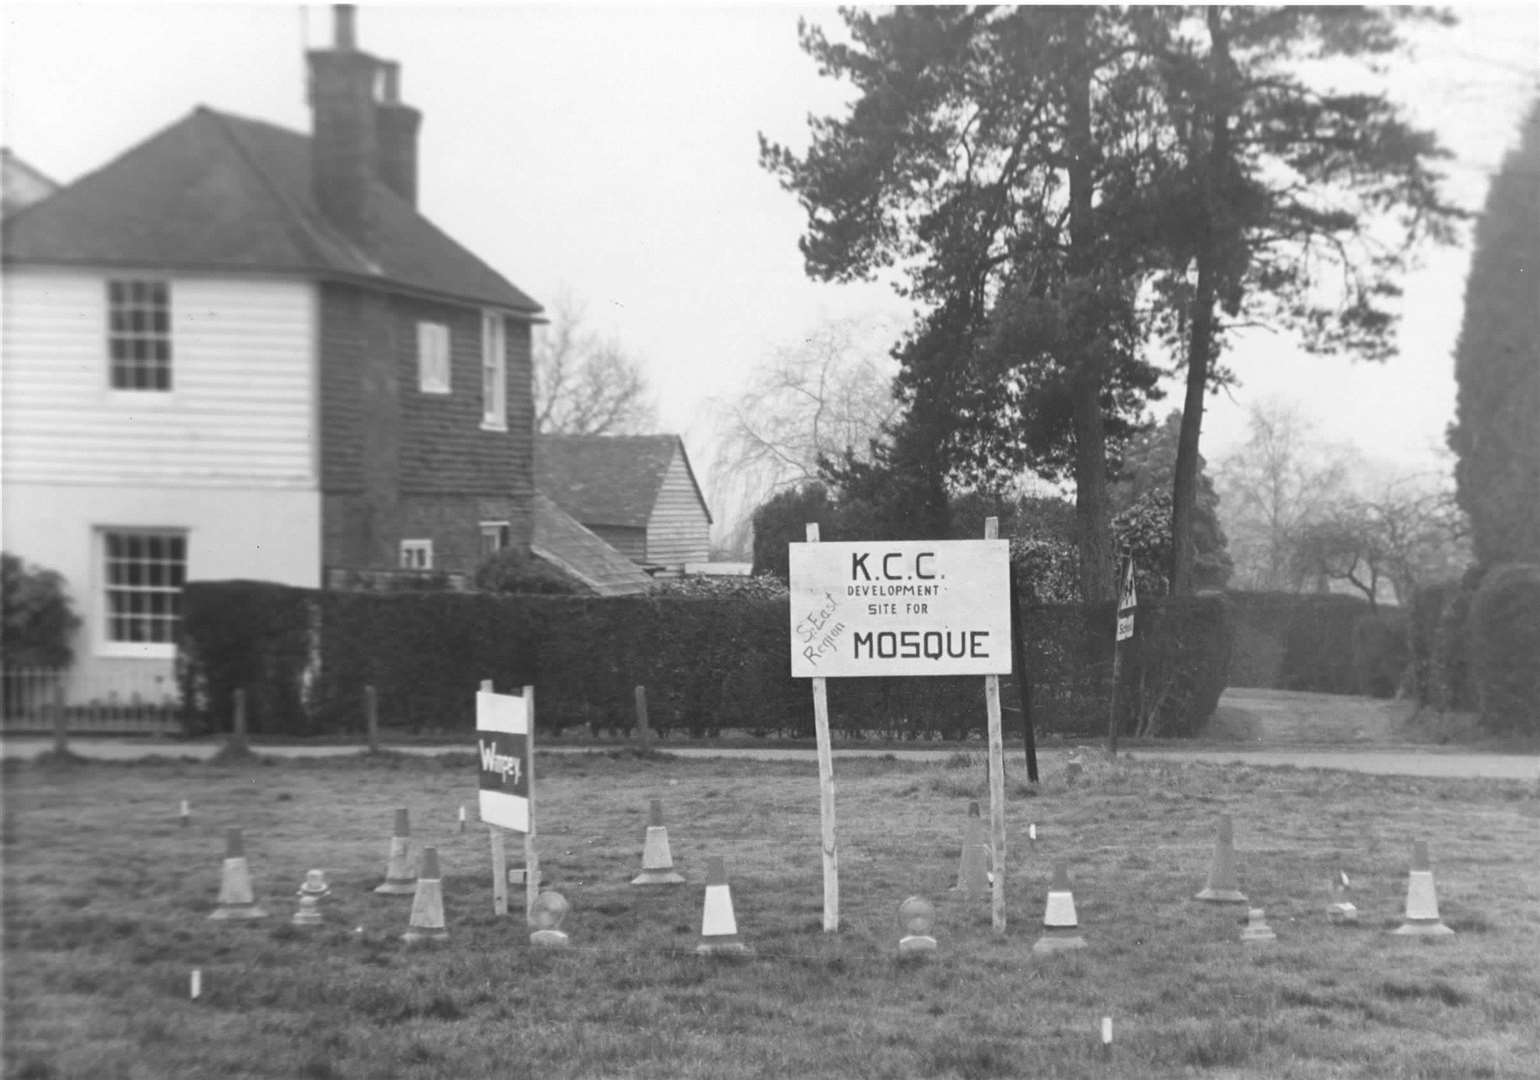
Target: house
(20, 184)
(636, 492)
(241, 351)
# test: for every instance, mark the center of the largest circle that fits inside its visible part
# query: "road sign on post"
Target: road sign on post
(1127, 601)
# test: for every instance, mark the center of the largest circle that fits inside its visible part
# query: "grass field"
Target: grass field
(106, 904)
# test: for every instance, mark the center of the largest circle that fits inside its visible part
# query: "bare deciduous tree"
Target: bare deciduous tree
(1282, 478)
(586, 384)
(1408, 534)
(817, 397)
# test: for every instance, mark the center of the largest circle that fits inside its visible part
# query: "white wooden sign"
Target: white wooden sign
(503, 753)
(911, 607)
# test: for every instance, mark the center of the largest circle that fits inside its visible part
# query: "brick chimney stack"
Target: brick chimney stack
(345, 145)
(397, 125)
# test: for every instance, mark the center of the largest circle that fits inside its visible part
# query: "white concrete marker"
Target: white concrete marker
(195, 984)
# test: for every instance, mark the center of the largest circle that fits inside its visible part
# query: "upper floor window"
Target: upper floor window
(432, 358)
(144, 570)
(494, 372)
(417, 554)
(139, 334)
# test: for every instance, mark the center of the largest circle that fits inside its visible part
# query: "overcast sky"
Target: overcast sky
(612, 151)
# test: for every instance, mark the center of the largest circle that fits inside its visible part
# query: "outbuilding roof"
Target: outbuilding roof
(217, 192)
(608, 479)
(560, 539)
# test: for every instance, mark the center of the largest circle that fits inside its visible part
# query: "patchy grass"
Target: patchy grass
(106, 899)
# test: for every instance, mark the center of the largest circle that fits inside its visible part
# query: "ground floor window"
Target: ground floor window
(417, 554)
(495, 537)
(144, 570)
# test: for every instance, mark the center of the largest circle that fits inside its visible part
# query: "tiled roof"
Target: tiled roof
(559, 539)
(21, 184)
(219, 192)
(607, 479)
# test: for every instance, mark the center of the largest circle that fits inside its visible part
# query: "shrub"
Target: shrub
(1450, 685)
(1427, 608)
(38, 617)
(250, 635)
(512, 571)
(1380, 652)
(1505, 645)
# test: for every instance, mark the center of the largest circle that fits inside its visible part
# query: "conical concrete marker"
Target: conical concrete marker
(235, 896)
(1223, 888)
(400, 878)
(1422, 917)
(718, 927)
(1061, 929)
(427, 921)
(973, 867)
(657, 860)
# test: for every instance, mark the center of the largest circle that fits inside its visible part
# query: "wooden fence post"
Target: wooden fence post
(643, 731)
(61, 722)
(372, 717)
(238, 725)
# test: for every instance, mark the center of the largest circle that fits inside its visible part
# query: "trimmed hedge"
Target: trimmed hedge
(1380, 652)
(708, 662)
(1505, 648)
(1290, 641)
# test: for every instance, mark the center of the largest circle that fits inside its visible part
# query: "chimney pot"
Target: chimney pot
(392, 91)
(342, 21)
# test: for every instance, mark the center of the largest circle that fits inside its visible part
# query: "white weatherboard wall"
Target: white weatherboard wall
(678, 531)
(228, 456)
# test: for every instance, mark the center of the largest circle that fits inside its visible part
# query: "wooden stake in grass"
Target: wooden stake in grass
(996, 776)
(1107, 1035)
(195, 984)
(831, 862)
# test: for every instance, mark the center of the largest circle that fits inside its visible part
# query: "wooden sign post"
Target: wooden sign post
(831, 857)
(505, 746)
(899, 608)
(996, 776)
(1127, 602)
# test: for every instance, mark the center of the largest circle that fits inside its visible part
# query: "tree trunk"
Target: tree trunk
(1200, 343)
(1092, 508)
